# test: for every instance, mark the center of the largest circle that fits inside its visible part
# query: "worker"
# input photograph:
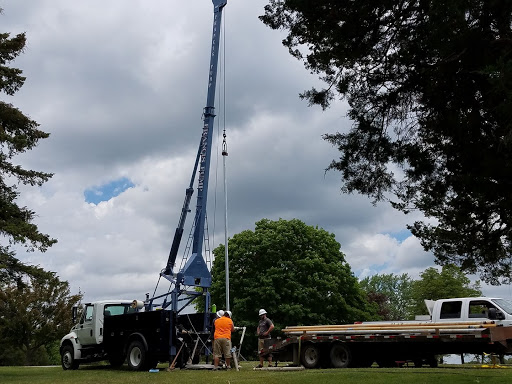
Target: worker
(265, 326)
(222, 339)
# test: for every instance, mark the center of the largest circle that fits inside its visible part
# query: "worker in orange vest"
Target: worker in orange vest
(222, 340)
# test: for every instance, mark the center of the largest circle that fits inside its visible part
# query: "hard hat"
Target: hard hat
(262, 312)
(220, 313)
(229, 313)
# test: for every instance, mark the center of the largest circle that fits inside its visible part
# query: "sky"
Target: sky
(121, 86)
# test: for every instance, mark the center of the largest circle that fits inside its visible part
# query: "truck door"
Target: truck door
(85, 331)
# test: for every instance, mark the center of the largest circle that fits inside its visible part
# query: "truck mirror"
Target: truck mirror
(74, 313)
(495, 314)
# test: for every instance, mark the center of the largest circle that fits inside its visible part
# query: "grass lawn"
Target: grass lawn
(104, 374)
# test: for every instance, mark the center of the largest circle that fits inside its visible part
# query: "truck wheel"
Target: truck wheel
(340, 356)
(67, 358)
(310, 356)
(136, 356)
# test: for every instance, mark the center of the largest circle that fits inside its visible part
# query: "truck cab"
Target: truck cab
(470, 309)
(84, 343)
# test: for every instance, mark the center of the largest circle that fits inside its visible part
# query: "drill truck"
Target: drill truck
(156, 330)
(474, 325)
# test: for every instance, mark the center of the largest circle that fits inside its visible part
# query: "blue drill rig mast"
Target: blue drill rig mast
(195, 274)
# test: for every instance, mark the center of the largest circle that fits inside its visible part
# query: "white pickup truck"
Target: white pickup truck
(454, 326)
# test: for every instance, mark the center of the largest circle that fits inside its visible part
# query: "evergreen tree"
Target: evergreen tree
(18, 134)
(429, 88)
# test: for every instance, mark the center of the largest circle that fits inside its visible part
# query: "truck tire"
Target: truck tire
(67, 358)
(310, 356)
(136, 356)
(340, 356)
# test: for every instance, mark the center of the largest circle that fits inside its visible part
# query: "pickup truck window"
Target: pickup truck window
(479, 309)
(506, 305)
(450, 310)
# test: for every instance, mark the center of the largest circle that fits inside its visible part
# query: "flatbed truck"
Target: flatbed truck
(454, 326)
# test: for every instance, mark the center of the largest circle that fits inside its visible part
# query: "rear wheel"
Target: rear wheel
(340, 356)
(137, 356)
(67, 358)
(310, 356)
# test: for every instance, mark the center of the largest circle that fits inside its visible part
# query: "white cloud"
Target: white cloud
(121, 87)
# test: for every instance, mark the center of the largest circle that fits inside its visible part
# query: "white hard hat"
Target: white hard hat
(262, 312)
(229, 313)
(220, 313)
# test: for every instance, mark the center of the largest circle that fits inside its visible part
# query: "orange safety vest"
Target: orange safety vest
(223, 328)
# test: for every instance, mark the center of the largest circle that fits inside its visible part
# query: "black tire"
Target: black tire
(116, 361)
(67, 358)
(137, 356)
(340, 356)
(310, 356)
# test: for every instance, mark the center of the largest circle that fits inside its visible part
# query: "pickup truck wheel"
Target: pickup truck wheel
(67, 358)
(136, 356)
(310, 356)
(340, 356)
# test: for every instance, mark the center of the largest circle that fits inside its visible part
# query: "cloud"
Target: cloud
(121, 87)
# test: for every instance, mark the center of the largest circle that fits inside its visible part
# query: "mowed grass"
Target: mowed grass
(104, 374)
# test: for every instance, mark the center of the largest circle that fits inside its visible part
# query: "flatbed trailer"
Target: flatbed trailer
(387, 347)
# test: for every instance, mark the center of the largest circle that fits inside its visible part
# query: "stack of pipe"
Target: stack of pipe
(391, 328)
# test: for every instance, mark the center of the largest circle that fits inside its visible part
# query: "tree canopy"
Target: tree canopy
(296, 272)
(429, 89)
(391, 293)
(35, 312)
(18, 133)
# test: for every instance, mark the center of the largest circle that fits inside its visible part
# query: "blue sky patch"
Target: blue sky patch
(107, 191)
(401, 235)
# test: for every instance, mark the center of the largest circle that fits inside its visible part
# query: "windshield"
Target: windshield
(506, 305)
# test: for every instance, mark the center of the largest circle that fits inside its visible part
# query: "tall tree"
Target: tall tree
(429, 88)
(33, 316)
(445, 284)
(18, 133)
(294, 271)
(391, 293)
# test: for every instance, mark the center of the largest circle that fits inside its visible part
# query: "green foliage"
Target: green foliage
(35, 311)
(391, 293)
(18, 133)
(445, 284)
(429, 86)
(296, 272)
